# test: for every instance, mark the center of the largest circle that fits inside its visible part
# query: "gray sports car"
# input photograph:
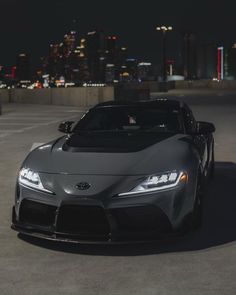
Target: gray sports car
(127, 171)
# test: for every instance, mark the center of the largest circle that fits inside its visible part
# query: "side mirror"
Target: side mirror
(65, 127)
(205, 128)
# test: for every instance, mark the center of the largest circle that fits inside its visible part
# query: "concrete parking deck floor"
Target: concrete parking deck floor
(203, 262)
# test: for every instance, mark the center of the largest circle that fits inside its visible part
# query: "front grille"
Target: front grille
(142, 218)
(74, 219)
(37, 213)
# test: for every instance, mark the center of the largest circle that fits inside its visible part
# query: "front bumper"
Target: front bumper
(93, 220)
(90, 224)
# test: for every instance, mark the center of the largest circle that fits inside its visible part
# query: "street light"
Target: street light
(164, 30)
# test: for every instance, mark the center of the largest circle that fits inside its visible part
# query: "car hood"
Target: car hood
(104, 156)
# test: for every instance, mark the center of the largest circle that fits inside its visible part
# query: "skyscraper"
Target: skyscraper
(129, 71)
(207, 61)
(230, 62)
(211, 61)
(54, 64)
(145, 72)
(95, 51)
(83, 73)
(23, 67)
(111, 49)
(110, 73)
(69, 43)
(190, 56)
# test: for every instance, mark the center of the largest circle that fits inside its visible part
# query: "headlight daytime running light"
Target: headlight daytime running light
(158, 182)
(32, 180)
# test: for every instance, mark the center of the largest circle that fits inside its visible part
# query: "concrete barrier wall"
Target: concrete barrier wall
(34, 96)
(83, 96)
(4, 96)
(206, 84)
(88, 96)
(132, 91)
(78, 96)
(67, 96)
(154, 86)
(106, 94)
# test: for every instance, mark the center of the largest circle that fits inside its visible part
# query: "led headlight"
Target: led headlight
(32, 180)
(158, 182)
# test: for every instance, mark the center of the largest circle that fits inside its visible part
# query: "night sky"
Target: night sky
(28, 25)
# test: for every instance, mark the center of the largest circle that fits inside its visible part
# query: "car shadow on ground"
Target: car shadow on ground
(219, 225)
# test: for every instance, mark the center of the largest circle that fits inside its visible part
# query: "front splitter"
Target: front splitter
(110, 239)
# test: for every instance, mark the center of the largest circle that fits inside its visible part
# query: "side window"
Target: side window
(189, 121)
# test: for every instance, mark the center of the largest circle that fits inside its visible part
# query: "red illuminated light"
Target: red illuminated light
(219, 64)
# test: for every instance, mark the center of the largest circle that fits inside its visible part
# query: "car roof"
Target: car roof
(162, 103)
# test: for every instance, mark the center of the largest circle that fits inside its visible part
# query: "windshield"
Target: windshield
(131, 119)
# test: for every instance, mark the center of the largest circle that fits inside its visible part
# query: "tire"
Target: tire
(193, 221)
(212, 165)
(197, 213)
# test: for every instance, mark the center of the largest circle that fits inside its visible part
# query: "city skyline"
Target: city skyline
(96, 57)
